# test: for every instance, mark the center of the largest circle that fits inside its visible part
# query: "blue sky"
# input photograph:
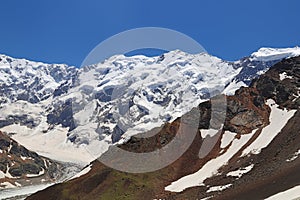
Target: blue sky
(62, 31)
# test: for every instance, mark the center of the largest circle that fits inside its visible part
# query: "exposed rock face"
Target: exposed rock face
(284, 90)
(23, 120)
(272, 170)
(246, 110)
(62, 115)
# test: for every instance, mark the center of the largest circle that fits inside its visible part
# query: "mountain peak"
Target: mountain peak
(267, 54)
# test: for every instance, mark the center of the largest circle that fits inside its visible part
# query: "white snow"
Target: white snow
(218, 188)
(278, 119)
(227, 138)
(53, 144)
(2, 175)
(240, 172)
(283, 76)
(208, 132)
(233, 86)
(206, 198)
(185, 76)
(36, 175)
(271, 54)
(19, 191)
(210, 168)
(28, 73)
(18, 184)
(7, 174)
(294, 157)
(83, 172)
(293, 193)
(7, 185)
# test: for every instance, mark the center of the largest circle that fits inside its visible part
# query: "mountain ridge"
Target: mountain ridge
(253, 155)
(57, 96)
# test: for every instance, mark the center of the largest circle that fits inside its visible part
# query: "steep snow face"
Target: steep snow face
(269, 54)
(21, 79)
(129, 95)
(108, 102)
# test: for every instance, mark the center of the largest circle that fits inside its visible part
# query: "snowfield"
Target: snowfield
(240, 172)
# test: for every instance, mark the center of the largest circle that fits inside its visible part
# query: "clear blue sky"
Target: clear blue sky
(61, 31)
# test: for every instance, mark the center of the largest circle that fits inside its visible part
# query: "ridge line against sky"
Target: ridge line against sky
(66, 31)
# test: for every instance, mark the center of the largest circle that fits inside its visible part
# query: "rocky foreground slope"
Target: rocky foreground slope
(254, 156)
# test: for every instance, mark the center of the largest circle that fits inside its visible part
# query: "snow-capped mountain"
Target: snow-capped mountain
(257, 64)
(255, 155)
(126, 96)
(21, 79)
(72, 114)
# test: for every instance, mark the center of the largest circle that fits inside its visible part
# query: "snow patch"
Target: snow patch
(294, 157)
(18, 184)
(240, 172)
(278, 119)
(293, 193)
(20, 191)
(42, 172)
(284, 75)
(7, 185)
(2, 175)
(208, 132)
(218, 188)
(227, 138)
(211, 167)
